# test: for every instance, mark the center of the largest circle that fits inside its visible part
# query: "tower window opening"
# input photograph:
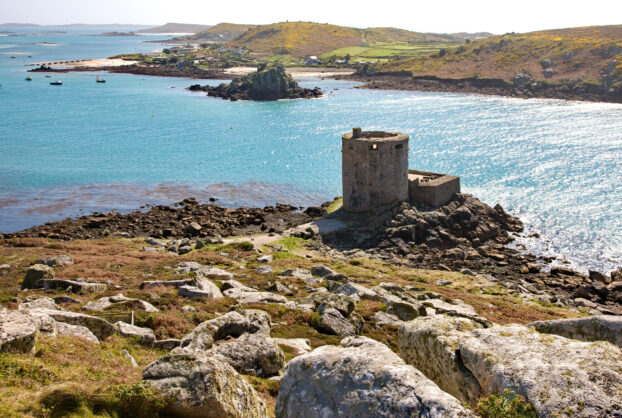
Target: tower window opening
(374, 147)
(398, 146)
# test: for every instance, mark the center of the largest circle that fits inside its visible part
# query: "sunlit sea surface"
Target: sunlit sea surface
(83, 147)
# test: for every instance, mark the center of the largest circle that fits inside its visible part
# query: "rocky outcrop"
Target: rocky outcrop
(18, 332)
(334, 314)
(254, 354)
(75, 286)
(269, 82)
(232, 324)
(76, 331)
(36, 274)
(245, 297)
(202, 386)
(554, 374)
(119, 302)
(361, 378)
(59, 260)
(593, 328)
(98, 326)
(145, 335)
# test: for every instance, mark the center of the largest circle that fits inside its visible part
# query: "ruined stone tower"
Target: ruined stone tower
(374, 169)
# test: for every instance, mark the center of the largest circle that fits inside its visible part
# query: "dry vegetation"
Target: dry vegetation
(575, 52)
(101, 380)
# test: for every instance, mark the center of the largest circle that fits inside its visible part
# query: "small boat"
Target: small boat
(48, 76)
(29, 78)
(56, 83)
(99, 80)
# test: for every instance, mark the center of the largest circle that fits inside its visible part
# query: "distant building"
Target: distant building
(311, 60)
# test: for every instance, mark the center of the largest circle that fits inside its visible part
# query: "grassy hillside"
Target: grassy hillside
(587, 52)
(307, 38)
(220, 33)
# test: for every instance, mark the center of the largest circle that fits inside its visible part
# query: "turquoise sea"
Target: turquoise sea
(84, 147)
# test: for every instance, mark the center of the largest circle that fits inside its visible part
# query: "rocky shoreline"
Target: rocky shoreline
(150, 70)
(494, 87)
(415, 311)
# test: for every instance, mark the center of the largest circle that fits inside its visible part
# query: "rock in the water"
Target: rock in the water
(269, 82)
(59, 260)
(554, 374)
(18, 332)
(255, 354)
(360, 379)
(145, 335)
(119, 302)
(202, 386)
(76, 331)
(593, 328)
(35, 274)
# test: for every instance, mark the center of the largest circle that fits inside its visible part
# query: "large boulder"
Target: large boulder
(232, 324)
(361, 378)
(76, 331)
(101, 328)
(331, 321)
(76, 286)
(593, 328)
(557, 376)
(18, 332)
(205, 387)
(35, 274)
(254, 354)
(59, 260)
(119, 302)
(245, 297)
(145, 335)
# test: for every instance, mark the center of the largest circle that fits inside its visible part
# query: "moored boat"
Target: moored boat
(29, 78)
(56, 83)
(99, 80)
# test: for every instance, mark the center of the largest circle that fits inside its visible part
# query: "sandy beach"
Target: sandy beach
(297, 72)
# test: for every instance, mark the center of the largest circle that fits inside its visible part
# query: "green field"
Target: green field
(385, 50)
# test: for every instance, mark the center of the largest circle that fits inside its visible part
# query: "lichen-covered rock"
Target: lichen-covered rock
(76, 331)
(296, 345)
(356, 291)
(331, 321)
(431, 345)
(18, 332)
(101, 328)
(232, 324)
(35, 274)
(145, 335)
(207, 272)
(59, 260)
(248, 298)
(76, 286)
(406, 310)
(554, 374)
(359, 379)
(322, 300)
(255, 354)
(41, 303)
(119, 302)
(593, 328)
(202, 386)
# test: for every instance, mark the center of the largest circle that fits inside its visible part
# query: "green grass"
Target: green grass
(335, 205)
(385, 50)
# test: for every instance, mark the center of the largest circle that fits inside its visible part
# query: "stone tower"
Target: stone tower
(374, 169)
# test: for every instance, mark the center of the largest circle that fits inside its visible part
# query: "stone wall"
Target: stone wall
(431, 189)
(374, 169)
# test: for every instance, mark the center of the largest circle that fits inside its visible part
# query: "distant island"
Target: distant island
(116, 34)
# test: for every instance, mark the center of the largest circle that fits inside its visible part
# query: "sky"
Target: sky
(421, 16)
